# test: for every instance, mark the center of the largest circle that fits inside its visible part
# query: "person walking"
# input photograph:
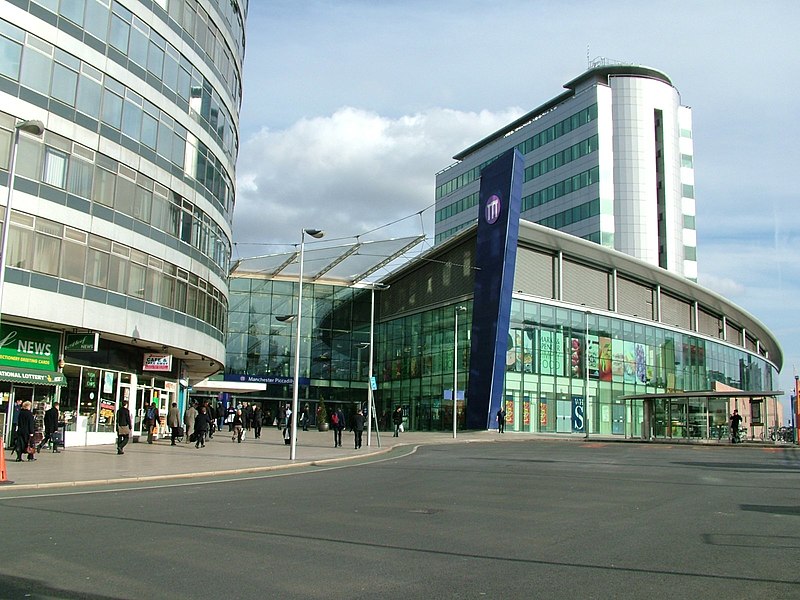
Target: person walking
(256, 421)
(124, 425)
(501, 420)
(238, 426)
(173, 422)
(151, 421)
(735, 422)
(397, 419)
(304, 417)
(337, 424)
(26, 427)
(50, 426)
(358, 428)
(189, 415)
(202, 424)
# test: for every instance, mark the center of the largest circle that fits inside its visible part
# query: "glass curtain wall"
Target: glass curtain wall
(566, 371)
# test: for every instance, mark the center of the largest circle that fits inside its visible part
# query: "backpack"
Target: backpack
(335, 419)
(151, 413)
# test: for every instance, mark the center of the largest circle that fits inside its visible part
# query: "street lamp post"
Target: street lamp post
(36, 128)
(370, 396)
(315, 233)
(455, 369)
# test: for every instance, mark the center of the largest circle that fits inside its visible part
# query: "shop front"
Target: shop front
(28, 371)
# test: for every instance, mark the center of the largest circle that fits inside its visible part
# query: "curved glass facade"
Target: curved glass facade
(551, 363)
(122, 208)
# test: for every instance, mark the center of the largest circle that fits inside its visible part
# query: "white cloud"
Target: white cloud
(348, 173)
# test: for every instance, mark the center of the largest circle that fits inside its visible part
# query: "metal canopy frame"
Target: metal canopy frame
(346, 264)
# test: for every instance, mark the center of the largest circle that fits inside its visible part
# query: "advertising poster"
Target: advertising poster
(629, 363)
(526, 412)
(652, 374)
(576, 358)
(641, 363)
(617, 360)
(529, 365)
(605, 359)
(593, 356)
(511, 418)
(551, 352)
(543, 412)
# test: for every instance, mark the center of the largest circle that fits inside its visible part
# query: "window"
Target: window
(118, 268)
(687, 191)
(73, 261)
(96, 19)
(98, 261)
(20, 241)
(47, 247)
(65, 84)
(10, 58)
(73, 10)
(55, 168)
(80, 177)
(112, 109)
(120, 30)
(104, 183)
(89, 91)
(36, 70)
(687, 160)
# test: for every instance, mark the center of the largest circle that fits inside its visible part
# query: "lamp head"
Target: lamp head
(315, 233)
(285, 318)
(34, 127)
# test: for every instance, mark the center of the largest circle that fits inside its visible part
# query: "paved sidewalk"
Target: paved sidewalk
(87, 465)
(97, 465)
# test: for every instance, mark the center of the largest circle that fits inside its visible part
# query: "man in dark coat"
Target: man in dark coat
(124, 425)
(151, 421)
(202, 423)
(26, 427)
(50, 426)
(358, 427)
(337, 424)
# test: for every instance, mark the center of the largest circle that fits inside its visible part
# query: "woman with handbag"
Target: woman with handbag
(123, 426)
(26, 427)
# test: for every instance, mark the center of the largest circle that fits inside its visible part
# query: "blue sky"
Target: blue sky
(351, 107)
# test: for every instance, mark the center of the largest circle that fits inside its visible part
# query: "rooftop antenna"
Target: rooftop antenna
(588, 61)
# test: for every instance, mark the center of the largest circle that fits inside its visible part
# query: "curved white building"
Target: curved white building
(122, 209)
(610, 160)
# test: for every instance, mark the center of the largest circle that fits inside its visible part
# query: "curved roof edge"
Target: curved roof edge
(602, 73)
(591, 252)
(599, 74)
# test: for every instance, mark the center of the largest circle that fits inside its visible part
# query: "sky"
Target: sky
(351, 107)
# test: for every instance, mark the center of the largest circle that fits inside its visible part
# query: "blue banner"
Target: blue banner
(495, 259)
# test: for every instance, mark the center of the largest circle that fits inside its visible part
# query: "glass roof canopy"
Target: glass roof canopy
(347, 264)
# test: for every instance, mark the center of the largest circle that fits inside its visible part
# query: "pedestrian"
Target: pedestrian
(304, 417)
(247, 416)
(214, 415)
(358, 428)
(281, 418)
(124, 425)
(202, 424)
(151, 420)
(501, 420)
(12, 442)
(238, 426)
(257, 421)
(231, 412)
(173, 422)
(26, 427)
(189, 415)
(50, 426)
(397, 419)
(735, 422)
(337, 424)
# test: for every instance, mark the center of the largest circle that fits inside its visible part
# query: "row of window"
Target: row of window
(459, 206)
(553, 341)
(530, 144)
(560, 159)
(82, 172)
(39, 245)
(562, 188)
(572, 215)
(53, 73)
(112, 22)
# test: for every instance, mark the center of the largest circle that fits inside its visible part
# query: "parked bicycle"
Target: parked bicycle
(781, 434)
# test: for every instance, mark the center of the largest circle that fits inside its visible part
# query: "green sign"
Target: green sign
(81, 342)
(31, 376)
(28, 348)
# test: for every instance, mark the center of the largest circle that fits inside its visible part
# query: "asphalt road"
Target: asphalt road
(524, 519)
